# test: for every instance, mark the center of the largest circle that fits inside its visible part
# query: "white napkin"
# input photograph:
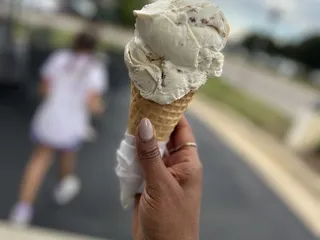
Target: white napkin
(128, 169)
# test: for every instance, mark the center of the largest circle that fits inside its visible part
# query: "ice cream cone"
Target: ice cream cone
(163, 117)
(176, 46)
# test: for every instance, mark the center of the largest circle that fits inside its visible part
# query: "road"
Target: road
(236, 203)
(276, 91)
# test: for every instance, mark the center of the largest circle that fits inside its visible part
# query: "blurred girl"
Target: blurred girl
(72, 85)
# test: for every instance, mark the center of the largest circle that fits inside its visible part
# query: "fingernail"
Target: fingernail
(145, 129)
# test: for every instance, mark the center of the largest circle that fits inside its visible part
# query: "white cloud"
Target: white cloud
(298, 16)
(304, 16)
(283, 5)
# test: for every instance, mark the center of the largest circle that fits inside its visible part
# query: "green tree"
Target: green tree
(309, 52)
(126, 8)
(250, 42)
(254, 42)
(289, 51)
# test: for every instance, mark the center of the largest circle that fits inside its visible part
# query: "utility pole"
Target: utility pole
(274, 16)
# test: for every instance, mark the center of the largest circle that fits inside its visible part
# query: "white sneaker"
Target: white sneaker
(67, 190)
(21, 215)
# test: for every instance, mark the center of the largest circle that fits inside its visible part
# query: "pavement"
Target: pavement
(237, 202)
(279, 92)
(36, 233)
(275, 164)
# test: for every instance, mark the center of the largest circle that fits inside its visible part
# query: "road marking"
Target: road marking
(34, 233)
(303, 204)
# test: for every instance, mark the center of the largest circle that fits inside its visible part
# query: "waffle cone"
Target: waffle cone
(163, 117)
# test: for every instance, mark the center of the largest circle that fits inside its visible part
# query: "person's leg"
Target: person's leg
(67, 164)
(34, 173)
(69, 184)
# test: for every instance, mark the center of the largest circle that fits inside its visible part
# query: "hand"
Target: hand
(169, 207)
(96, 103)
(98, 107)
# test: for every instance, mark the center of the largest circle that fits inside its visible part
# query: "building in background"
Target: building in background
(41, 6)
(97, 10)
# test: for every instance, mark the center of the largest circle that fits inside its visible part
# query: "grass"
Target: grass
(260, 114)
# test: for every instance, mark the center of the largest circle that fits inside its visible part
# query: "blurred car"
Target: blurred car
(94, 10)
(81, 8)
(84, 8)
(48, 6)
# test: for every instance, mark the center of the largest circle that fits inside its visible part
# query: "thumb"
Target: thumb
(149, 156)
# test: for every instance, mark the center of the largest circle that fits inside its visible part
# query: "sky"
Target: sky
(299, 18)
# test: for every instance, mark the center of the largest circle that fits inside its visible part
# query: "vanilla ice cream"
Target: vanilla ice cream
(176, 47)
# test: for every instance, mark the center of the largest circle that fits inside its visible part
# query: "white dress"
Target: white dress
(61, 120)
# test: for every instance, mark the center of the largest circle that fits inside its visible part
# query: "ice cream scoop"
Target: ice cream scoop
(176, 46)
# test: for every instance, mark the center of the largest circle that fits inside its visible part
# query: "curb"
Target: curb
(283, 171)
(33, 233)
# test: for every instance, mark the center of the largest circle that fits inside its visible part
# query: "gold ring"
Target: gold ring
(187, 144)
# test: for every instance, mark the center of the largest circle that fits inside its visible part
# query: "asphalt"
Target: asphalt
(236, 203)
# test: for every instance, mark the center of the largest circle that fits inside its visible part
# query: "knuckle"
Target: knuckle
(150, 152)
